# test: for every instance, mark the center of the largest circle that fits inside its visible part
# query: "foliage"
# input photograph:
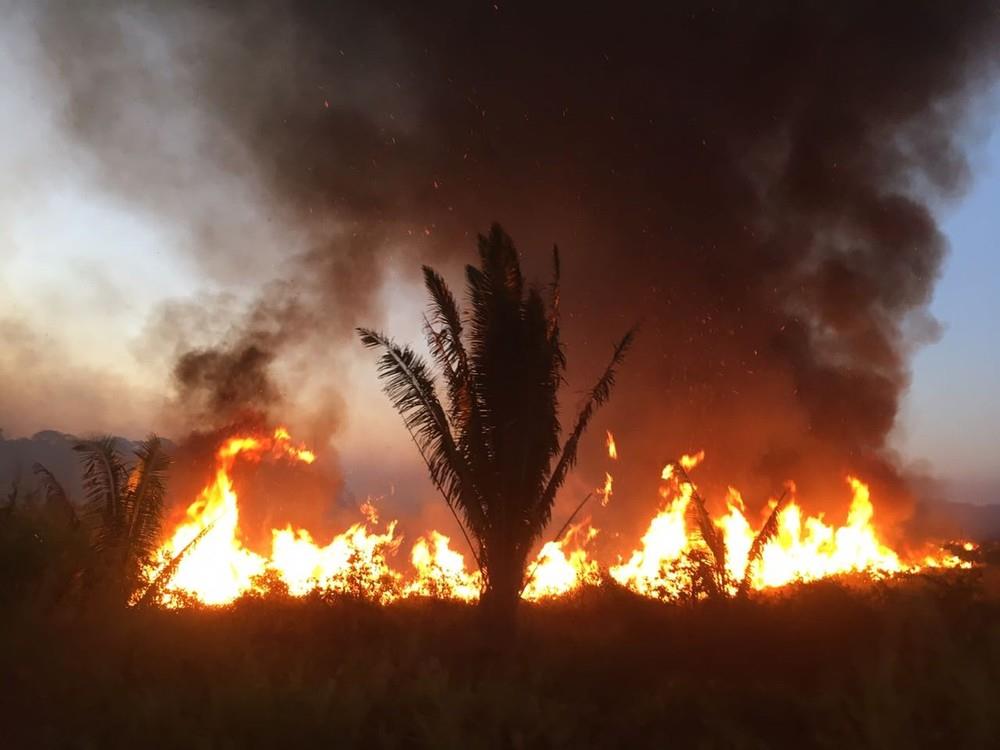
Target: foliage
(122, 510)
(494, 451)
(914, 663)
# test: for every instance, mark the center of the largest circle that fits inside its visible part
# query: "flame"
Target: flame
(801, 549)
(612, 447)
(655, 568)
(555, 574)
(205, 559)
(688, 462)
(605, 492)
(212, 565)
(440, 571)
(353, 563)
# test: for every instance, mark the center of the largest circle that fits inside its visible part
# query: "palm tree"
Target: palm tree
(494, 452)
(57, 502)
(767, 532)
(123, 509)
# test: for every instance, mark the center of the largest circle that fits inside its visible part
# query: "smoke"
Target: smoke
(754, 182)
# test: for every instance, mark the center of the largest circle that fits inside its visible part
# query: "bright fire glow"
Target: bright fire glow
(205, 559)
(555, 573)
(440, 571)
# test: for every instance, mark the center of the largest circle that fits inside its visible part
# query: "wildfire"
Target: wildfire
(205, 559)
(440, 571)
(555, 573)
(797, 548)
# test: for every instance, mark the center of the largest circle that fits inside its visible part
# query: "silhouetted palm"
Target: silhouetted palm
(767, 532)
(57, 501)
(495, 452)
(123, 509)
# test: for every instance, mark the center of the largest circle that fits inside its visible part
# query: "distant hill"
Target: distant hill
(946, 518)
(52, 449)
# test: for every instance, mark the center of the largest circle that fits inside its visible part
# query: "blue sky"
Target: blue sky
(951, 416)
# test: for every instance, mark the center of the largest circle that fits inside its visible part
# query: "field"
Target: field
(839, 663)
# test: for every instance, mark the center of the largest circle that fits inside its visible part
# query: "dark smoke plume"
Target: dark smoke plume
(753, 180)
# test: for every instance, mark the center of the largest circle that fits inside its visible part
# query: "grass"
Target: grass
(911, 663)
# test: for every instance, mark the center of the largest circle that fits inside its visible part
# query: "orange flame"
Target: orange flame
(556, 574)
(441, 571)
(799, 550)
(205, 559)
(213, 566)
(612, 447)
(606, 491)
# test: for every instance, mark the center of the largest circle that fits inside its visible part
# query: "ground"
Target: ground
(914, 663)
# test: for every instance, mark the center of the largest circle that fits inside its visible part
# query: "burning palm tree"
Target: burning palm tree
(494, 452)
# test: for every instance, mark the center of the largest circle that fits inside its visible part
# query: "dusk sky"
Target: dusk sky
(951, 415)
(99, 260)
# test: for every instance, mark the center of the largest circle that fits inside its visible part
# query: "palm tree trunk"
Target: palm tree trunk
(503, 594)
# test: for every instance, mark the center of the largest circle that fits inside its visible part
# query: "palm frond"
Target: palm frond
(144, 499)
(699, 518)
(104, 477)
(597, 397)
(767, 532)
(446, 318)
(56, 498)
(554, 293)
(444, 337)
(156, 586)
(408, 383)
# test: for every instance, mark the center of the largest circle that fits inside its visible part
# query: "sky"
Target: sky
(951, 414)
(92, 268)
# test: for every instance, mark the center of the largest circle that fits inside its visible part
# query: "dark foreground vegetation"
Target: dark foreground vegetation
(912, 663)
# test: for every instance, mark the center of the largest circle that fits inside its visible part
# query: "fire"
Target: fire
(612, 447)
(605, 492)
(353, 563)
(205, 559)
(798, 547)
(554, 573)
(655, 569)
(440, 571)
(689, 462)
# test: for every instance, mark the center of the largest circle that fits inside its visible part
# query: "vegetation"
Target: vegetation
(495, 452)
(121, 513)
(914, 664)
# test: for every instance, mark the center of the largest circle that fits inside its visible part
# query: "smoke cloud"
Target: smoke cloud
(754, 182)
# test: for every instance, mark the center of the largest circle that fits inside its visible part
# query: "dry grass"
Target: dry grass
(914, 663)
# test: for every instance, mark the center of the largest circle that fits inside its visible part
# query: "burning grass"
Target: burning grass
(684, 552)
